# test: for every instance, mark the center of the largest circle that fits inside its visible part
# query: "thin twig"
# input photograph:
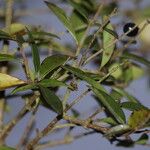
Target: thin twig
(110, 44)
(87, 30)
(100, 29)
(85, 124)
(4, 68)
(26, 132)
(65, 140)
(25, 63)
(7, 129)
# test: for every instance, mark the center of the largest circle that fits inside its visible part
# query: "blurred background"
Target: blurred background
(36, 13)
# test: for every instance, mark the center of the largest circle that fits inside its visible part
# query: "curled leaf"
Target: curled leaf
(7, 81)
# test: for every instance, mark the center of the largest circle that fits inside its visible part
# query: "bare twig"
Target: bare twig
(5, 132)
(4, 68)
(110, 44)
(85, 124)
(25, 63)
(87, 30)
(26, 132)
(66, 140)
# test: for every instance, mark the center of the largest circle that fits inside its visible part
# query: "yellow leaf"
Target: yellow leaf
(15, 28)
(117, 74)
(139, 118)
(7, 81)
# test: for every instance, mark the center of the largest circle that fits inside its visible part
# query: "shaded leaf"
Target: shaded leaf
(143, 139)
(35, 52)
(132, 106)
(51, 83)
(52, 100)
(7, 81)
(45, 83)
(50, 63)
(79, 9)
(107, 51)
(79, 73)
(62, 17)
(108, 120)
(126, 94)
(111, 105)
(24, 88)
(139, 118)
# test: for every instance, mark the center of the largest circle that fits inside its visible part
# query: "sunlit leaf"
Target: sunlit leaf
(7, 81)
(117, 130)
(8, 57)
(15, 28)
(50, 63)
(111, 105)
(77, 22)
(6, 148)
(139, 118)
(62, 17)
(107, 51)
(116, 74)
(35, 52)
(137, 58)
(52, 100)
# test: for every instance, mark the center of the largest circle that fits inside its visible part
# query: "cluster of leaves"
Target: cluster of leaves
(116, 71)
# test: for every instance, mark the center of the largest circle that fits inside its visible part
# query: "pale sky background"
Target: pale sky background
(138, 88)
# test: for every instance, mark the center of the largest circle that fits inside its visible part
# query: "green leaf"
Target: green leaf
(143, 139)
(116, 74)
(132, 106)
(62, 17)
(107, 51)
(126, 94)
(50, 63)
(79, 73)
(79, 9)
(45, 83)
(42, 33)
(7, 81)
(117, 130)
(8, 57)
(24, 88)
(51, 83)
(139, 59)
(111, 105)
(15, 29)
(108, 120)
(78, 22)
(35, 52)
(6, 148)
(4, 35)
(52, 100)
(139, 118)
